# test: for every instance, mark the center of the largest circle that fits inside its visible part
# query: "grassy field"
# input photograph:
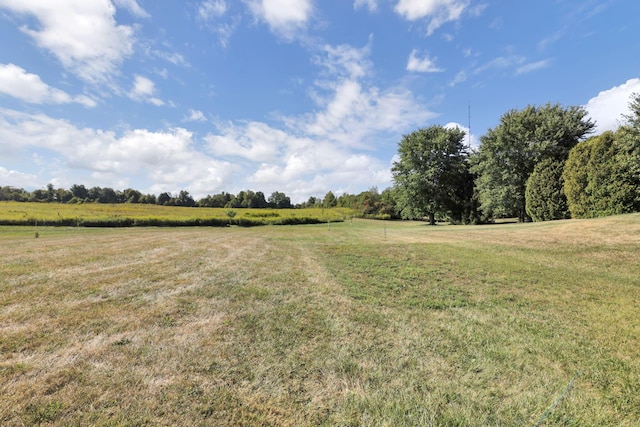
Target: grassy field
(131, 214)
(357, 323)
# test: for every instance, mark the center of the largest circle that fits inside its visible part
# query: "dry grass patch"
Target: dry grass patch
(360, 323)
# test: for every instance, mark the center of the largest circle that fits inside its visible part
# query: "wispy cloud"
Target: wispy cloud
(213, 13)
(533, 66)
(438, 12)
(372, 5)
(195, 116)
(133, 7)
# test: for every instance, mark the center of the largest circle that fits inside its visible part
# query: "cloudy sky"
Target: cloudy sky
(300, 96)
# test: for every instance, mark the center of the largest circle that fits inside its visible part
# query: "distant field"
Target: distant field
(356, 323)
(130, 214)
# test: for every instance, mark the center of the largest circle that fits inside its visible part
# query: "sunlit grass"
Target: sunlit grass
(356, 323)
(131, 214)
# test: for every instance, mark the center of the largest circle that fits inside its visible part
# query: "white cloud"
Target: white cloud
(372, 5)
(311, 153)
(15, 81)
(437, 11)
(144, 90)
(17, 179)
(609, 105)
(422, 65)
(254, 141)
(284, 17)
(81, 34)
(195, 116)
(133, 7)
(169, 158)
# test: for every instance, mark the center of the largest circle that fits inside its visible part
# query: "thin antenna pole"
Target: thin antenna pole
(469, 137)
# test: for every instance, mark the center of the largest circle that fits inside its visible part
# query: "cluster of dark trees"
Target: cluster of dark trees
(369, 203)
(537, 164)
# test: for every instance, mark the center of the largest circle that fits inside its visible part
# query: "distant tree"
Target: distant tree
(79, 192)
(185, 199)
(260, 200)
(131, 196)
(545, 196)
(51, 193)
(279, 200)
(217, 200)
(39, 195)
(311, 202)
(163, 198)
(509, 152)
(8, 193)
(329, 200)
(430, 168)
(63, 196)
(149, 199)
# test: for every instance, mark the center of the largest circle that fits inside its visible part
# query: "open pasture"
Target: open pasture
(357, 323)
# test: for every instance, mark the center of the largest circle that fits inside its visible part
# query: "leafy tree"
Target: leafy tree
(185, 199)
(544, 195)
(14, 194)
(216, 201)
(600, 176)
(633, 119)
(39, 195)
(163, 198)
(279, 200)
(509, 152)
(79, 192)
(63, 196)
(430, 169)
(132, 196)
(329, 200)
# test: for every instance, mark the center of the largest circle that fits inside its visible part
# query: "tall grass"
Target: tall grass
(360, 323)
(140, 215)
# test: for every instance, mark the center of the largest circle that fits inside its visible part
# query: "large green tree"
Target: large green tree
(601, 175)
(509, 152)
(429, 172)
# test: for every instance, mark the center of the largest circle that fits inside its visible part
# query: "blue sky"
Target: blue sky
(299, 96)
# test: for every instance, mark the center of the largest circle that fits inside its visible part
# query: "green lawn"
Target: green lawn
(355, 323)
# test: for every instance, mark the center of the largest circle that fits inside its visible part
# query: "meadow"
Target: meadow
(141, 215)
(358, 323)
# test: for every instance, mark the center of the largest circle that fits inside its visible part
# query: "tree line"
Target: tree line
(368, 203)
(538, 163)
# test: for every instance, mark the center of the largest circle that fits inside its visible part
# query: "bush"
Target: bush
(544, 195)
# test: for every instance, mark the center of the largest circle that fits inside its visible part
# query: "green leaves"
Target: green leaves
(430, 171)
(509, 153)
(601, 175)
